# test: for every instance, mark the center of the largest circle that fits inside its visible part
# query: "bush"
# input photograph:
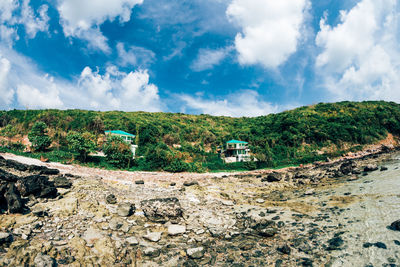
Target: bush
(177, 165)
(83, 144)
(38, 137)
(118, 152)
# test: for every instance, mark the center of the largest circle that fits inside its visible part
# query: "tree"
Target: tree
(118, 152)
(38, 136)
(83, 144)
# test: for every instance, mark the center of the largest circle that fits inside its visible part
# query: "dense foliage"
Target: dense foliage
(118, 152)
(38, 137)
(180, 141)
(82, 143)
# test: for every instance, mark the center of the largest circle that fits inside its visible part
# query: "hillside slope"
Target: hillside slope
(301, 135)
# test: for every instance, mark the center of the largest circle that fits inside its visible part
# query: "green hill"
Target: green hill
(297, 136)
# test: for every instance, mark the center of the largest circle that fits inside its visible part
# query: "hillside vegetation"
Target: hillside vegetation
(189, 142)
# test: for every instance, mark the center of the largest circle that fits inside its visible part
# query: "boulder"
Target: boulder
(5, 238)
(195, 253)
(42, 260)
(335, 243)
(116, 223)
(16, 165)
(151, 252)
(125, 209)
(111, 199)
(37, 185)
(395, 226)
(161, 209)
(62, 182)
(8, 177)
(48, 171)
(13, 199)
(190, 183)
(384, 168)
(273, 177)
(347, 167)
(370, 167)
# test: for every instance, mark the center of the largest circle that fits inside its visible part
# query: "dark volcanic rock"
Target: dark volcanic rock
(139, 182)
(285, 249)
(48, 171)
(16, 165)
(370, 167)
(13, 199)
(274, 177)
(384, 168)
(347, 167)
(37, 185)
(190, 183)
(161, 209)
(395, 226)
(62, 182)
(335, 243)
(111, 199)
(8, 177)
(377, 244)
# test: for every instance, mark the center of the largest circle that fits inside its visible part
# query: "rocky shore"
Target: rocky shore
(51, 217)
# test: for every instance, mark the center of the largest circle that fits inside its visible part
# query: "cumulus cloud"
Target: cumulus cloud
(271, 29)
(116, 90)
(360, 57)
(208, 58)
(33, 98)
(82, 19)
(6, 93)
(245, 103)
(134, 56)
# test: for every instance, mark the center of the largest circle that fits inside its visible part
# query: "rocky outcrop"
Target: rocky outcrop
(36, 185)
(162, 209)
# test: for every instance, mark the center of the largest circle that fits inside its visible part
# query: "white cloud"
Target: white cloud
(33, 98)
(34, 24)
(6, 93)
(82, 19)
(243, 103)
(135, 56)
(360, 57)
(271, 29)
(7, 8)
(117, 90)
(208, 58)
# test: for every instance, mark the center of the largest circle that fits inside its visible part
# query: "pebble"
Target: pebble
(195, 253)
(125, 209)
(132, 241)
(260, 200)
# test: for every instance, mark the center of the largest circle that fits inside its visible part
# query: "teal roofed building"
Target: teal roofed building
(127, 137)
(237, 151)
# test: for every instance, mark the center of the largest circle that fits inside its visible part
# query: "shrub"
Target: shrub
(177, 165)
(38, 137)
(83, 144)
(118, 152)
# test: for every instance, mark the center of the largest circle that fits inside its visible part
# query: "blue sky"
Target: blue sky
(220, 57)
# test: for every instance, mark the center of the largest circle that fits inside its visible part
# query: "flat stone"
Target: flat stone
(260, 200)
(91, 235)
(190, 183)
(132, 241)
(195, 253)
(176, 229)
(125, 209)
(153, 236)
(42, 260)
(151, 252)
(115, 223)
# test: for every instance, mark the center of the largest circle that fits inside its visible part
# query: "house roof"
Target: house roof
(236, 142)
(119, 132)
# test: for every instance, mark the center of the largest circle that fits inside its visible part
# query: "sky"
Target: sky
(219, 57)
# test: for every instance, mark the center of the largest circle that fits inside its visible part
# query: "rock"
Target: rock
(395, 226)
(48, 171)
(91, 235)
(195, 253)
(260, 200)
(377, 244)
(172, 184)
(309, 192)
(111, 199)
(13, 200)
(139, 182)
(335, 243)
(176, 229)
(116, 223)
(268, 232)
(151, 252)
(161, 209)
(153, 236)
(132, 241)
(40, 211)
(42, 260)
(370, 167)
(5, 238)
(347, 167)
(8, 177)
(61, 181)
(37, 185)
(16, 165)
(190, 183)
(285, 249)
(125, 209)
(384, 168)
(273, 177)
